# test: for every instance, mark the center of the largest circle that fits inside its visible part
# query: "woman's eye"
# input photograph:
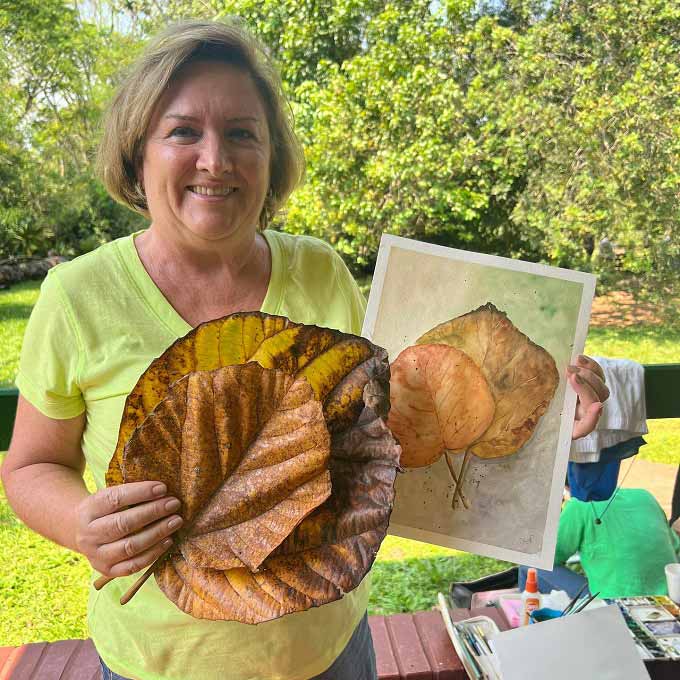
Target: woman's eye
(183, 132)
(241, 133)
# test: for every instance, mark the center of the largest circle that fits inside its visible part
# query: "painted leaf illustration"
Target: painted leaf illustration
(439, 401)
(246, 450)
(253, 449)
(522, 375)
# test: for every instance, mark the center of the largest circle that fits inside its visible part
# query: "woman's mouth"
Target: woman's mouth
(211, 191)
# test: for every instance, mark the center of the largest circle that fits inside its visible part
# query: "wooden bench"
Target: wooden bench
(407, 646)
(63, 660)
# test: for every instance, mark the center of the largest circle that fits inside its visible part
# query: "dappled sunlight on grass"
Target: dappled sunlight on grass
(644, 344)
(663, 441)
(412, 584)
(15, 308)
(396, 548)
(44, 586)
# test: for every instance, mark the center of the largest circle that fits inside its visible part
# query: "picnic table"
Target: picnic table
(417, 647)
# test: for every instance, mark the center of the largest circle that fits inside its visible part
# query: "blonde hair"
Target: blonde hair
(128, 116)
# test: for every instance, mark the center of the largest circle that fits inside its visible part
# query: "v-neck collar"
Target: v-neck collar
(161, 308)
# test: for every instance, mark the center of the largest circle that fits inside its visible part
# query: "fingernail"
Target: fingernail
(159, 489)
(172, 505)
(174, 522)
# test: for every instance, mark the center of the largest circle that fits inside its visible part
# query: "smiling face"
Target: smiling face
(205, 167)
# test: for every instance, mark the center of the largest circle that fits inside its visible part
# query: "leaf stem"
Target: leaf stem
(103, 580)
(142, 579)
(456, 482)
(461, 476)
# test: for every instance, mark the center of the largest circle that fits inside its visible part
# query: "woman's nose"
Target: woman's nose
(214, 156)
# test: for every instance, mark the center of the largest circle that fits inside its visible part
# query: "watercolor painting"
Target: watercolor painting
(473, 386)
(478, 349)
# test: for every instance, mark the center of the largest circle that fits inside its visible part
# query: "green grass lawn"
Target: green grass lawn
(44, 587)
(15, 308)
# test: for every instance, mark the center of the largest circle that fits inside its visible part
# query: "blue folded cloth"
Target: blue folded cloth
(597, 481)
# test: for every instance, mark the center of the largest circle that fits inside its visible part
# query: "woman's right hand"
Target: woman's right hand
(123, 529)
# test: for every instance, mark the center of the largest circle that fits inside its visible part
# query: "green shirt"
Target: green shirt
(625, 554)
(98, 323)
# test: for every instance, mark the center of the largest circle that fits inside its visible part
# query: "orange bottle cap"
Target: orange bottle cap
(532, 581)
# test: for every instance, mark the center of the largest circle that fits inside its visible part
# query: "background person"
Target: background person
(198, 139)
(623, 555)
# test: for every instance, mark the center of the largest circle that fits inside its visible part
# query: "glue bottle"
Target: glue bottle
(531, 598)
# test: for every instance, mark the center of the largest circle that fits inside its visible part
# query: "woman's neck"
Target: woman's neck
(231, 274)
(230, 256)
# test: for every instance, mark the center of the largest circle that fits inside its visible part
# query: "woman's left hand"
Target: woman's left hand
(587, 379)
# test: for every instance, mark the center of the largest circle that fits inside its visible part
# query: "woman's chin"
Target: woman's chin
(218, 230)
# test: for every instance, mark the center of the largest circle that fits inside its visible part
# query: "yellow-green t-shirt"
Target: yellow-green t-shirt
(98, 323)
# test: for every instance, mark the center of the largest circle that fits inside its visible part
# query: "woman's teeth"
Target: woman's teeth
(212, 191)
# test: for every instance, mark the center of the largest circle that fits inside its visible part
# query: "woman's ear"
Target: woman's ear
(139, 173)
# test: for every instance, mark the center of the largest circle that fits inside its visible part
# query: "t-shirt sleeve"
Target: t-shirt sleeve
(354, 299)
(50, 355)
(569, 533)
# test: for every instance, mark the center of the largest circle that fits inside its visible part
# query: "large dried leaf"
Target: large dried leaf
(246, 450)
(522, 375)
(332, 362)
(439, 401)
(244, 571)
(326, 556)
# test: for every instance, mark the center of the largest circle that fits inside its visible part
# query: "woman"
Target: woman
(197, 139)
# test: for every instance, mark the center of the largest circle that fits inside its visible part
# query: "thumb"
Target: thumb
(588, 422)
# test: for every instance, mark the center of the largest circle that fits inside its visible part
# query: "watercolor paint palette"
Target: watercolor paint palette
(654, 623)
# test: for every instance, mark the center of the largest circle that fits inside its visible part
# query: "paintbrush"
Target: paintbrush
(486, 648)
(584, 604)
(469, 664)
(569, 607)
(470, 650)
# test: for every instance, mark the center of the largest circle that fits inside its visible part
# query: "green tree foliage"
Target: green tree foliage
(526, 128)
(299, 34)
(56, 73)
(519, 133)
(399, 139)
(595, 88)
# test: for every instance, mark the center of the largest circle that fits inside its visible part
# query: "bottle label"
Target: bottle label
(530, 604)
